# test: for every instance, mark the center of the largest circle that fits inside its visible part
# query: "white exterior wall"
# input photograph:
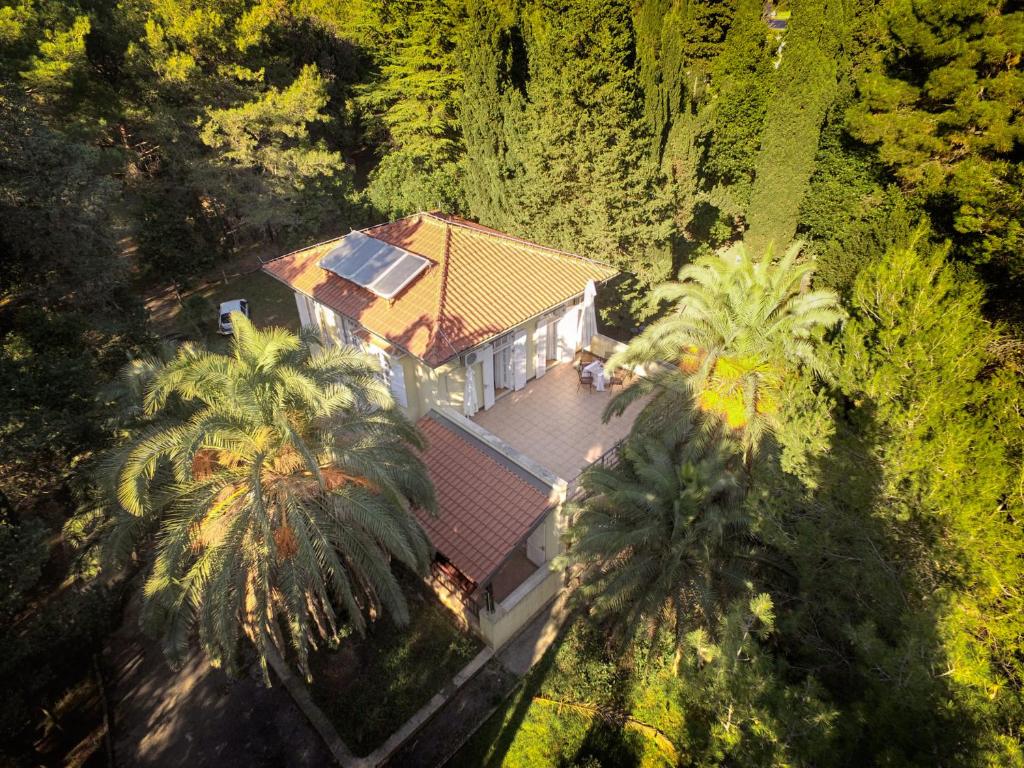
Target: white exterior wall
(513, 613)
(519, 608)
(335, 330)
(425, 387)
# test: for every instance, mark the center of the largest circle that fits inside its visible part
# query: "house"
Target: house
(474, 330)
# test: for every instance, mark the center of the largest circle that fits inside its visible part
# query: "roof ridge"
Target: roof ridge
(366, 230)
(498, 235)
(304, 248)
(442, 298)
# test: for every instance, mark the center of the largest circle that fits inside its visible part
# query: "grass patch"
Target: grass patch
(369, 686)
(195, 315)
(584, 704)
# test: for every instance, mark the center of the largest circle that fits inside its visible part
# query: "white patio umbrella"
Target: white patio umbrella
(469, 401)
(588, 316)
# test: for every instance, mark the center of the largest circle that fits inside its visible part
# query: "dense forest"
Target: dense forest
(145, 142)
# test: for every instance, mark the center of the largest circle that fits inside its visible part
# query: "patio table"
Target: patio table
(596, 369)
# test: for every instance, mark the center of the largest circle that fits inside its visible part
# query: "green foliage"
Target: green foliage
(281, 482)
(919, 352)
(415, 98)
(383, 674)
(847, 215)
(737, 330)
(802, 89)
(283, 176)
(910, 500)
(942, 106)
(587, 702)
(61, 60)
(675, 42)
(741, 710)
(579, 178)
(739, 99)
(156, 138)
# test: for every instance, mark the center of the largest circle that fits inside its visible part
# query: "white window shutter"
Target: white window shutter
(487, 358)
(519, 360)
(397, 382)
(328, 323)
(567, 334)
(540, 347)
(303, 307)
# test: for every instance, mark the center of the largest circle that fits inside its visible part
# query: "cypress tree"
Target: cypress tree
(495, 71)
(804, 86)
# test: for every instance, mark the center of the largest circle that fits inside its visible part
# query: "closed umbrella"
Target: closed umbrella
(469, 402)
(588, 316)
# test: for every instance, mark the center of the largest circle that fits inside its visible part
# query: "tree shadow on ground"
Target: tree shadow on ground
(854, 601)
(583, 674)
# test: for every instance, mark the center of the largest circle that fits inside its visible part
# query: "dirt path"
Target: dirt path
(197, 716)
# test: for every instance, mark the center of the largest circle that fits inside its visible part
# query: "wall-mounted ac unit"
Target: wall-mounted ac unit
(470, 358)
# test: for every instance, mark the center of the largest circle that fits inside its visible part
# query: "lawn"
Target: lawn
(194, 316)
(584, 704)
(370, 686)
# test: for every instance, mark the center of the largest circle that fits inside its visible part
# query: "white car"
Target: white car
(226, 308)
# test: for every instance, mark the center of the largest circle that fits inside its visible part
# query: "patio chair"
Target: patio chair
(585, 379)
(617, 379)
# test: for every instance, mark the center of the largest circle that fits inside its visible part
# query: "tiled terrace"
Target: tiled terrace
(557, 425)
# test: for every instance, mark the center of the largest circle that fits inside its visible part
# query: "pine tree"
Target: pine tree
(918, 349)
(942, 105)
(281, 172)
(416, 100)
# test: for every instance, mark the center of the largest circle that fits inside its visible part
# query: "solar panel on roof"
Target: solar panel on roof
(360, 258)
(380, 267)
(399, 276)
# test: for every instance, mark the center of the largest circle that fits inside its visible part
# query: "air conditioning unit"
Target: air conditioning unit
(470, 358)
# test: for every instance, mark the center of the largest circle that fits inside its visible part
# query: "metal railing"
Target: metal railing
(451, 579)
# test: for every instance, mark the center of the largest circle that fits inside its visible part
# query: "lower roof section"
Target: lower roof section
(486, 503)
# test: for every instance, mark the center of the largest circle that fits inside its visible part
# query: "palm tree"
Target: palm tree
(739, 328)
(280, 481)
(660, 537)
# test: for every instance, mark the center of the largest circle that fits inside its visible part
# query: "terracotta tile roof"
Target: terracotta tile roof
(485, 509)
(480, 283)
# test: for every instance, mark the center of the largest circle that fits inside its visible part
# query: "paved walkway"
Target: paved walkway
(198, 717)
